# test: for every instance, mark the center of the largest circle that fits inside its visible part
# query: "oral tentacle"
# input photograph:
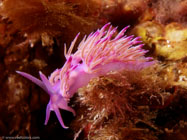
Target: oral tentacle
(48, 111)
(60, 118)
(33, 79)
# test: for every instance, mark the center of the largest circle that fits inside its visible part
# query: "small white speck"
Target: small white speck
(182, 78)
(25, 35)
(101, 95)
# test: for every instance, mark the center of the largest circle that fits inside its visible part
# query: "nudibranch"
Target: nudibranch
(97, 54)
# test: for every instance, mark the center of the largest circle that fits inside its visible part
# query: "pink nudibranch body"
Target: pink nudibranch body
(97, 54)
